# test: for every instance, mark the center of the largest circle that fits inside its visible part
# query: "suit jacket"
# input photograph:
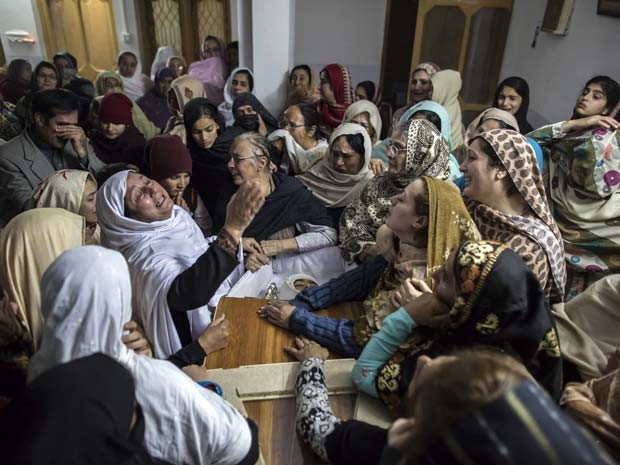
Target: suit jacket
(23, 166)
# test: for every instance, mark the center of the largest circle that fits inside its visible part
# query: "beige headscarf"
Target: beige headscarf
(65, 189)
(366, 106)
(490, 113)
(184, 88)
(446, 87)
(331, 187)
(28, 245)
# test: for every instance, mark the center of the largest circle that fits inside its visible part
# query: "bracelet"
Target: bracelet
(227, 242)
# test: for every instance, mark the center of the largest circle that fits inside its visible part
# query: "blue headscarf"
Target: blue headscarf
(440, 111)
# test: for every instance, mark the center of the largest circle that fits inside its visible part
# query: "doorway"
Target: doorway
(64, 24)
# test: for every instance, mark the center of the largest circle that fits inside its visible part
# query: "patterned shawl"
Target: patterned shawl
(499, 302)
(183, 89)
(449, 226)
(340, 79)
(427, 155)
(535, 237)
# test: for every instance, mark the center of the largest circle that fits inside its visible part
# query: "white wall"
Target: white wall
(127, 30)
(344, 31)
(21, 15)
(559, 66)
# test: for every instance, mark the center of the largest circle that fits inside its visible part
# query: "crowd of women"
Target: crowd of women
(486, 257)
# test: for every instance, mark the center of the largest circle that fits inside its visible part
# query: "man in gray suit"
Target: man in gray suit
(53, 142)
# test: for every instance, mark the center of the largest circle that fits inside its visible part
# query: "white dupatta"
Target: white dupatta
(157, 253)
(86, 299)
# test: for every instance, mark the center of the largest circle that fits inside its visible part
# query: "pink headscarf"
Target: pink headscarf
(212, 73)
(428, 66)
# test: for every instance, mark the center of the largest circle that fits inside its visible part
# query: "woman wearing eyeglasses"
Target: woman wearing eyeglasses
(291, 219)
(416, 149)
(297, 146)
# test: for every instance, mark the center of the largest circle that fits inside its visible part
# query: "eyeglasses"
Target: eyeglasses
(391, 147)
(236, 160)
(288, 124)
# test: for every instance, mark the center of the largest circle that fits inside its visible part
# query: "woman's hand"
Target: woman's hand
(180, 201)
(273, 248)
(428, 310)
(409, 290)
(590, 122)
(385, 243)
(376, 166)
(215, 337)
(242, 208)
(251, 245)
(136, 339)
(255, 260)
(277, 313)
(303, 349)
(262, 129)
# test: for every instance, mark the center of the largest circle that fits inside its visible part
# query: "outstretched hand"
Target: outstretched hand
(303, 349)
(243, 207)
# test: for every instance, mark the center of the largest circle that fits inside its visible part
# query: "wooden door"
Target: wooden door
(182, 24)
(468, 36)
(85, 28)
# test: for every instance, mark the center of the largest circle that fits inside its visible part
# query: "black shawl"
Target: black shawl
(249, 99)
(75, 413)
(210, 174)
(128, 148)
(499, 303)
(290, 203)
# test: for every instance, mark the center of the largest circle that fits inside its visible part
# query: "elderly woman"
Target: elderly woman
(428, 220)
(170, 164)
(336, 96)
(291, 220)
(340, 177)
(181, 91)
(298, 146)
(250, 115)
(583, 155)
(421, 88)
(416, 149)
(117, 140)
(176, 272)
(28, 244)
(507, 200)
(155, 102)
(183, 422)
(240, 81)
(209, 142)
(110, 82)
(136, 83)
(74, 191)
(303, 86)
(484, 295)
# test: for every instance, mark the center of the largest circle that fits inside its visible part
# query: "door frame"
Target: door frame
(469, 8)
(48, 34)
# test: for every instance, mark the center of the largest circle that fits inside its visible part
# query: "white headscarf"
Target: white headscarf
(331, 187)
(366, 106)
(225, 108)
(86, 297)
(138, 84)
(296, 158)
(157, 253)
(161, 58)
